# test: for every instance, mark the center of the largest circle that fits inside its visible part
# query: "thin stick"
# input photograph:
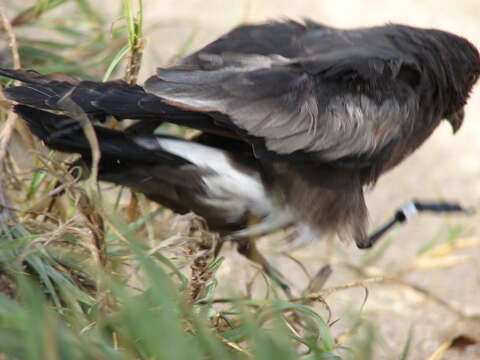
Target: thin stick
(328, 291)
(7, 131)
(5, 136)
(20, 125)
(13, 39)
(136, 41)
(75, 112)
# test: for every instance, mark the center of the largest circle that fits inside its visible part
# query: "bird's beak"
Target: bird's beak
(456, 119)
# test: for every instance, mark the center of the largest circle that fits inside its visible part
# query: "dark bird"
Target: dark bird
(296, 119)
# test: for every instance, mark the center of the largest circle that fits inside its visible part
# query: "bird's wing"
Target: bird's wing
(287, 38)
(344, 103)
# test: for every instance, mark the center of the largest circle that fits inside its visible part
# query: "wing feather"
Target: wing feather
(344, 103)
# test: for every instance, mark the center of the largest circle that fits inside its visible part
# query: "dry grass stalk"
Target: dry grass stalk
(132, 70)
(133, 211)
(136, 41)
(12, 120)
(134, 62)
(328, 291)
(7, 131)
(203, 249)
(7, 26)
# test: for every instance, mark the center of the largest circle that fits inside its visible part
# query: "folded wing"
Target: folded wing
(344, 103)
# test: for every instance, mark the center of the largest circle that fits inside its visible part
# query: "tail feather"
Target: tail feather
(62, 133)
(40, 90)
(155, 172)
(46, 92)
(98, 99)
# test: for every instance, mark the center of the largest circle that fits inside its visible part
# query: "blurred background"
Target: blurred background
(433, 262)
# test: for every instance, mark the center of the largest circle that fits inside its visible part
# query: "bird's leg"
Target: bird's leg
(246, 240)
(410, 210)
(248, 248)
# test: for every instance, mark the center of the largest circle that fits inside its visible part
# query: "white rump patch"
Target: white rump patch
(227, 187)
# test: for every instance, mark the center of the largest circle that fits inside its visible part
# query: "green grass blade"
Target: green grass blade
(120, 55)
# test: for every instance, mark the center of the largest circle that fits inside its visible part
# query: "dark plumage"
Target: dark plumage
(297, 119)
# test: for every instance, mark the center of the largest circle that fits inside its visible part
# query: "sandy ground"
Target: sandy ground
(446, 167)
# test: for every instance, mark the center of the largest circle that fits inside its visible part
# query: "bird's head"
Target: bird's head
(455, 66)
